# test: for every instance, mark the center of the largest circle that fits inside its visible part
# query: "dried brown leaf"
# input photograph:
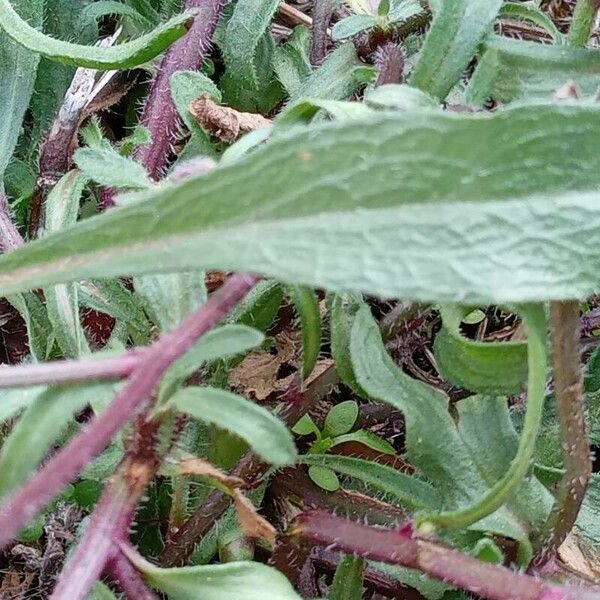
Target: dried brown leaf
(198, 466)
(225, 123)
(252, 523)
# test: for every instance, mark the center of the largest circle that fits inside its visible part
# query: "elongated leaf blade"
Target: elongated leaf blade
(17, 76)
(445, 196)
(457, 29)
(306, 304)
(265, 433)
(127, 55)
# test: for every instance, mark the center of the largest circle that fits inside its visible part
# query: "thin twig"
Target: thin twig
(295, 15)
(159, 114)
(565, 332)
(401, 547)
(22, 506)
(71, 371)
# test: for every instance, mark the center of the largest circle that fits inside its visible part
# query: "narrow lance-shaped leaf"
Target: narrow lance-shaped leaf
(503, 182)
(306, 304)
(511, 70)
(124, 56)
(62, 303)
(17, 74)
(457, 29)
(264, 432)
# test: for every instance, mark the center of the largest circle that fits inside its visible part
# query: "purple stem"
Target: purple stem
(128, 578)
(321, 15)
(401, 547)
(70, 371)
(23, 505)
(112, 517)
(159, 114)
(10, 238)
(389, 59)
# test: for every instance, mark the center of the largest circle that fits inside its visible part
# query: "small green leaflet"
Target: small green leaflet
(306, 304)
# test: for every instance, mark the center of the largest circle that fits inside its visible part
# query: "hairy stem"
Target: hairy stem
(125, 575)
(389, 59)
(321, 15)
(401, 547)
(582, 22)
(535, 320)
(159, 114)
(112, 516)
(570, 411)
(19, 508)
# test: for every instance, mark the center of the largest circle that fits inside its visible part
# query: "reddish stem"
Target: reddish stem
(159, 114)
(401, 547)
(113, 514)
(128, 579)
(71, 371)
(22, 506)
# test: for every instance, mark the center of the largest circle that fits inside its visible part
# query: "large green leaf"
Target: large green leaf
(234, 581)
(264, 432)
(419, 205)
(433, 443)
(457, 29)
(17, 76)
(123, 56)
(514, 69)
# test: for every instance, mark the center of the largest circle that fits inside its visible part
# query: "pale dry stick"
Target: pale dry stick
(10, 238)
(27, 501)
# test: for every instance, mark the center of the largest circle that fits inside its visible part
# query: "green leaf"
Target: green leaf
(367, 438)
(505, 176)
(13, 400)
(324, 478)
(456, 30)
(260, 307)
(124, 56)
(291, 61)
(340, 418)
(17, 72)
(40, 334)
(171, 297)
(347, 581)
(405, 489)
(101, 8)
(107, 167)
(587, 520)
(101, 592)
(306, 426)
(337, 78)
(227, 340)
(485, 367)
(139, 136)
(264, 432)
(350, 26)
(234, 581)
(529, 11)
(187, 86)
(62, 303)
(592, 372)
(306, 304)
(396, 96)
(487, 550)
(307, 109)
(247, 51)
(39, 427)
(433, 443)
(402, 10)
(511, 70)
(343, 309)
